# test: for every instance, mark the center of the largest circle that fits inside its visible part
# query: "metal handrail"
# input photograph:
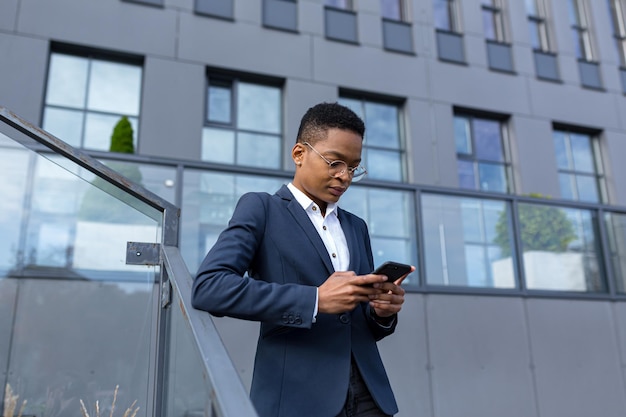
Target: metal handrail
(227, 389)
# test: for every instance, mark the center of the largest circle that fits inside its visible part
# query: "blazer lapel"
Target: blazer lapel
(351, 238)
(308, 230)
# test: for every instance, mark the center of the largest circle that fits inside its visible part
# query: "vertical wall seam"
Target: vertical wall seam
(429, 364)
(531, 365)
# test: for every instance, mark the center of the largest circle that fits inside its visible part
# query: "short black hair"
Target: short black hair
(321, 117)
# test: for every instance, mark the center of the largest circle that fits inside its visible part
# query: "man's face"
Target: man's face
(312, 176)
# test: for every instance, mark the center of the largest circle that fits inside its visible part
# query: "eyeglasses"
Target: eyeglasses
(337, 168)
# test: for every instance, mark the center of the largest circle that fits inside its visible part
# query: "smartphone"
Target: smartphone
(393, 270)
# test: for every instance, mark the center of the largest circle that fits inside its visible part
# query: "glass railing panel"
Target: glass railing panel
(560, 248)
(75, 320)
(616, 233)
(468, 242)
(209, 199)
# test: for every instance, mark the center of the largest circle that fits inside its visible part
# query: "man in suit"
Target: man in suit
(309, 282)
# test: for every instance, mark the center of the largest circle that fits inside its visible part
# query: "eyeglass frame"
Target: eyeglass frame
(350, 170)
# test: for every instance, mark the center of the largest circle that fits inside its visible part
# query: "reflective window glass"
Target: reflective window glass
(390, 218)
(219, 104)
(481, 153)
(339, 4)
(391, 9)
(467, 242)
(87, 96)
(383, 145)
(444, 15)
(616, 236)
(579, 177)
(244, 124)
(259, 108)
(560, 248)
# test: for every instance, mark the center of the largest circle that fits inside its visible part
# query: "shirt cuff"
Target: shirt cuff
(317, 296)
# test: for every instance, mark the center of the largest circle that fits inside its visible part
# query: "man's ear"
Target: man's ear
(297, 153)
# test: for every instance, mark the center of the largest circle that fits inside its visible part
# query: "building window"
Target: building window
(87, 95)
(578, 164)
(493, 21)
(243, 124)
(618, 15)
(537, 23)
(339, 4)
(482, 153)
(467, 242)
(383, 145)
(580, 29)
(499, 53)
(616, 236)
(446, 15)
(392, 9)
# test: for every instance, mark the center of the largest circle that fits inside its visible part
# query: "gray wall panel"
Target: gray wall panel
(244, 47)
(619, 311)
(369, 29)
(369, 69)
(421, 142)
(166, 130)
(186, 5)
(573, 104)
(478, 88)
(534, 156)
(405, 356)
(8, 14)
(22, 75)
(575, 352)
(480, 357)
(106, 23)
(311, 17)
(444, 149)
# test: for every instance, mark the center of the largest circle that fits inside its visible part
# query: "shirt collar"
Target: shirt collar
(307, 203)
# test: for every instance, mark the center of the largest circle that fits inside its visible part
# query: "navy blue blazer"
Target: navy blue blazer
(301, 368)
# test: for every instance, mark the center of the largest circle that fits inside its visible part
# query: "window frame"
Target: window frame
(496, 10)
(91, 55)
(232, 81)
(540, 20)
(599, 174)
(453, 15)
(507, 164)
(617, 10)
(580, 26)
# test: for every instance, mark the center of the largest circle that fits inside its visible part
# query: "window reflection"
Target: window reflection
(481, 153)
(467, 242)
(616, 236)
(86, 97)
(248, 132)
(391, 9)
(579, 176)
(560, 248)
(444, 13)
(383, 149)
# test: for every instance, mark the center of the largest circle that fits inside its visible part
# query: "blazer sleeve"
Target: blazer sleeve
(221, 288)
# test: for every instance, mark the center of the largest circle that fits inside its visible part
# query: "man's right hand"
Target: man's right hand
(343, 291)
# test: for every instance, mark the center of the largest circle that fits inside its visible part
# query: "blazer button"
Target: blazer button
(344, 318)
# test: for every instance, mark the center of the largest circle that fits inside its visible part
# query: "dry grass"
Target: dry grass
(128, 413)
(10, 403)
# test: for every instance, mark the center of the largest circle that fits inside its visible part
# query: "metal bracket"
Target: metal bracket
(141, 253)
(166, 294)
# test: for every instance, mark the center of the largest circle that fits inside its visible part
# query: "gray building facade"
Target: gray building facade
(481, 115)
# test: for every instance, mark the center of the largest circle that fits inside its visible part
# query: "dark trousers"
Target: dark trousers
(359, 402)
